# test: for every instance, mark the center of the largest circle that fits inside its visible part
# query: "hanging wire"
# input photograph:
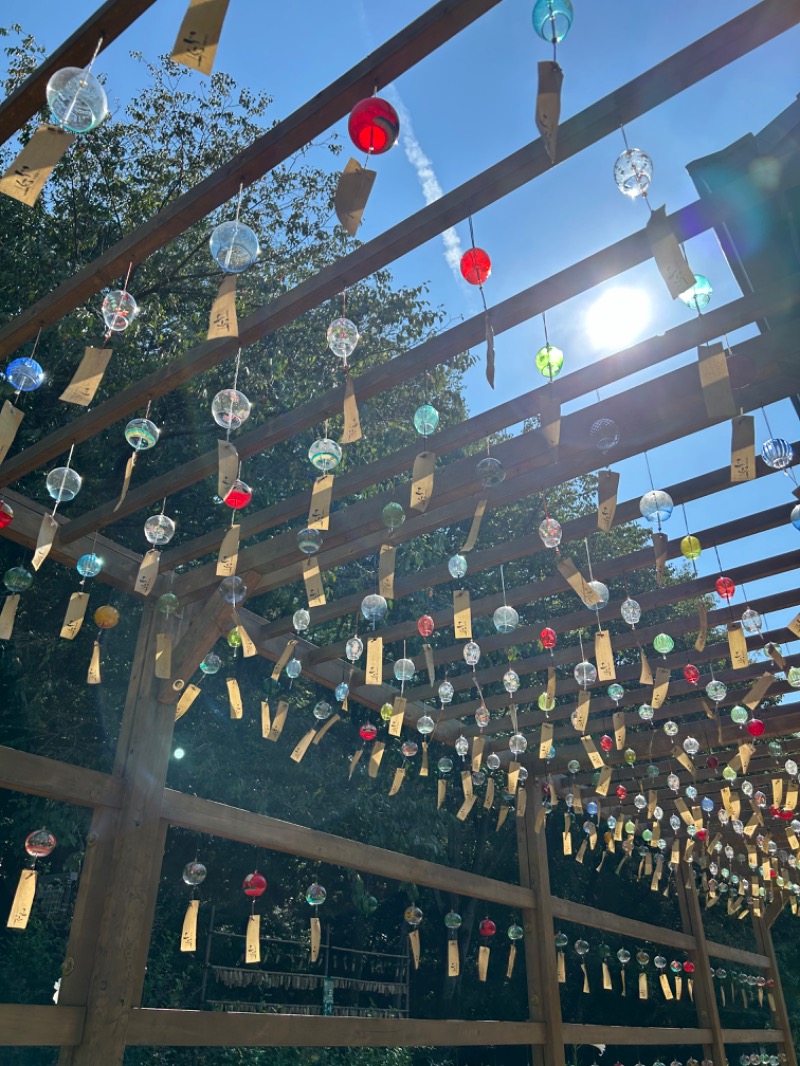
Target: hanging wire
(688, 534)
(596, 606)
(637, 173)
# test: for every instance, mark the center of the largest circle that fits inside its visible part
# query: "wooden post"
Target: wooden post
(109, 944)
(704, 995)
(779, 1013)
(544, 996)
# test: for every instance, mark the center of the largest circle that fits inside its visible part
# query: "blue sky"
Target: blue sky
(471, 104)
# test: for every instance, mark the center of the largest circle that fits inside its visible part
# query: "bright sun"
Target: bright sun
(617, 318)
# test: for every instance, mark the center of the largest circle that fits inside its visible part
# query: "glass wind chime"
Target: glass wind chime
(476, 266)
(552, 20)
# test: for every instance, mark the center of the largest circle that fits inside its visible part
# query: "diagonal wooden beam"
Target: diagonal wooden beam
(736, 38)
(649, 418)
(581, 382)
(231, 823)
(416, 41)
(107, 23)
(120, 565)
(483, 559)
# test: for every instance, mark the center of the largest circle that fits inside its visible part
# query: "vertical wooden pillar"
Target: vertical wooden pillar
(111, 931)
(544, 998)
(780, 1014)
(704, 995)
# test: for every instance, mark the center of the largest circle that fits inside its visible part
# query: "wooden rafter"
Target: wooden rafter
(418, 40)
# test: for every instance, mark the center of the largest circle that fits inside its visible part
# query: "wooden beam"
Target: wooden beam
(649, 418)
(107, 23)
(631, 1035)
(737, 955)
(564, 625)
(692, 220)
(544, 994)
(705, 998)
(120, 565)
(399, 54)
(777, 1000)
(568, 911)
(188, 1028)
(537, 298)
(579, 383)
(774, 911)
(120, 934)
(519, 548)
(58, 781)
(27, 1025)
(230, 823)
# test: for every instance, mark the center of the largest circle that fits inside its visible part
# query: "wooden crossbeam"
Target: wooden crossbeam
(581, 382)
(29, 1025)
(631, 1035)
(621, 642)
(186, 1028)
(653, 413)
(107, 23)
(584, 381)
(776, 725)
(520, 548)
(120, 565)
(642, 559)
(416, 41)
(230, 823)
(632, 250)
(59, 781)
(594, 918)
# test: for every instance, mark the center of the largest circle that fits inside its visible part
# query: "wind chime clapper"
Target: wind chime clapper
(374, 127)
(656, 507)
(552, 20)
(476, 267)
(77, 103)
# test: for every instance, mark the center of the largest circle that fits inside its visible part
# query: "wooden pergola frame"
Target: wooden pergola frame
(99, 1011)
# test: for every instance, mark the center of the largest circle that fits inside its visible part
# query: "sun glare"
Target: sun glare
(617, 318)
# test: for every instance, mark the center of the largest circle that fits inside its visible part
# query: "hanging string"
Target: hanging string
(649, 471)
(596, 606)
(239, 200)
(719, 565)
(503, 583)
(95, 54)
(33, 353)
(636, 171)
(688, 534)
(547, 345)
(232, 394)
(480, 283)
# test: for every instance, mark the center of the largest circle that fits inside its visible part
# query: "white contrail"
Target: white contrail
(429, 183)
